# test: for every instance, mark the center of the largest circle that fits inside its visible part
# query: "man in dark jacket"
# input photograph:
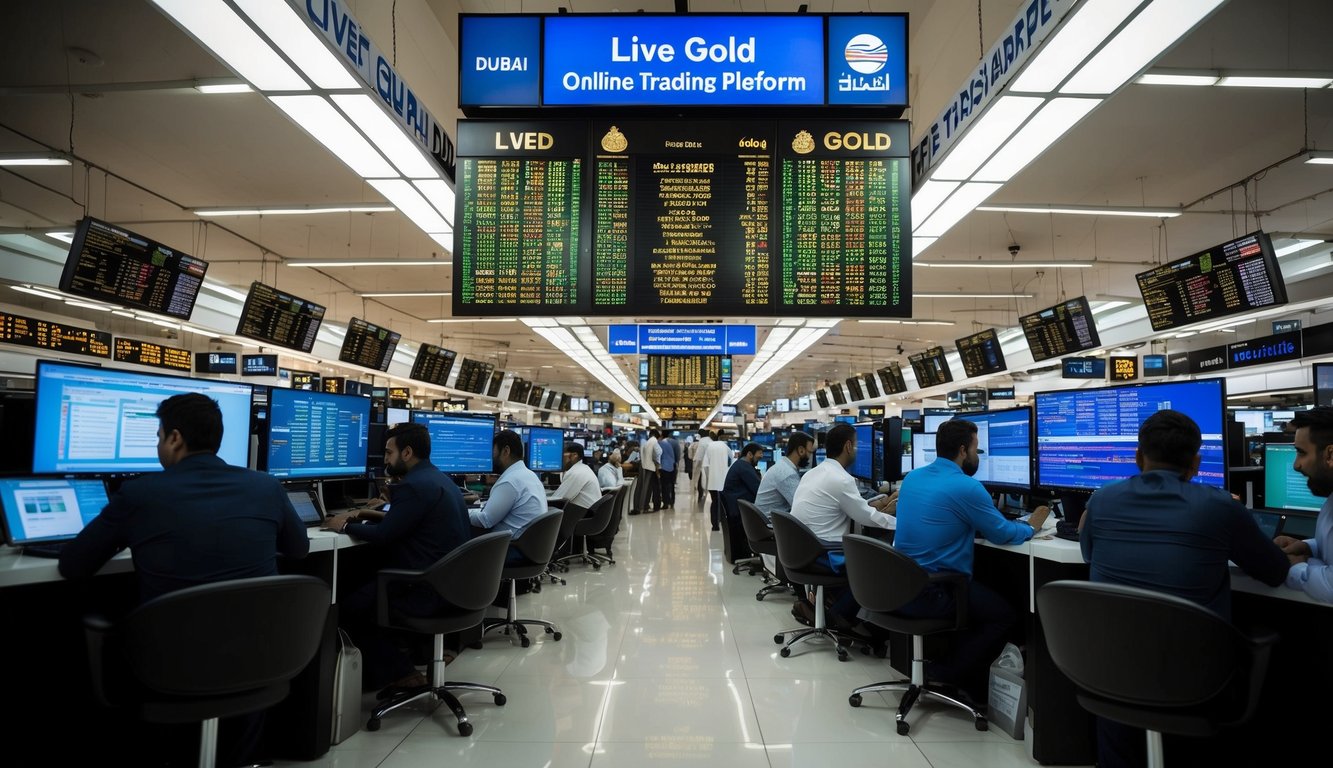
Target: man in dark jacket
(742, 483)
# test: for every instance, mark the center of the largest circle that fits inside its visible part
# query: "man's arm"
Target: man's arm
(980, 511)
(1252, 550)
(404, 515)
(497, 506)
(566, 490)
(98, 542)
(855, 507)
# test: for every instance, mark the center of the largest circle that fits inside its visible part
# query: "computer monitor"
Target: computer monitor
(42, 509)
(1323, 383)
(459, 444)
(862, 467)
(923, 449)
(397, 416)
(92, 420)
(313, 435)
(1284, 487)
(544, 449)
(932, 421)
(820, 455)
(876, 455)
(1087, 438)
(1005, 440)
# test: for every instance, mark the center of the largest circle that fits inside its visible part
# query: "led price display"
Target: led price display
(1227, 279)
(433, 364)
(930, 367)
(155, 355)
(279, 318)
(685, 371)
(1060, 330)
(57, 337)
(474, 376)
(981, 353)
(116, 265)
(368, 345)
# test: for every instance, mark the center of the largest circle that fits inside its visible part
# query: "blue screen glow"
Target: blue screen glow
(459, 444)
(544, 448)
(862, 466)
(1006, 439)
(315, 434)
(39, 509)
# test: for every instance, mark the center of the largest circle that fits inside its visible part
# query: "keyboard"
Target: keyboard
(51, 549)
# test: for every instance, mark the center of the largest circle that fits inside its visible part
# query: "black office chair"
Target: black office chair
(760, 538)
(752, 564)
(207, 652)
(1152, 660)
(537, 543)
(798, 548)
(573, 514)
(607, 536)
(598, 517)
(467, 579)
(884, 580)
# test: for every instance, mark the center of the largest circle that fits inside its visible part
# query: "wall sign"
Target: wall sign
(1269, 349)
(681, 339)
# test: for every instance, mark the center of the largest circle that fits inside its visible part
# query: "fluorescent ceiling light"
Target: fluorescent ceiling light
(130, 315)
(404, 294)
(308, 210)
(958, 205)
(370, 263)
(981, 140)
(67, 237)
(475, 320)
(972, 295)
(299, 42)
(15, 159)
(929, 197)
(1002, 265)
(86, 305)
(1078, 210)
(1075, 38)
(1298, 245)
(1319, 158)
(1162, 78)
(1044, 129)
(920, 244)
(222, 87)
(1138, 44)
(224, 290)
(440, 195)
(412, 204)
(909, 322)
(1273, 81)
(384, 133)
(37, 292)
(214, 24)
(319, 119)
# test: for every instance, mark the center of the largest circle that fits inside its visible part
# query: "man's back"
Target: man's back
(578, 485)
(742, 484)
(1159, 532)
(516, 499)
(427, 519)
(650, 453)
(196, 522)
(940, 511)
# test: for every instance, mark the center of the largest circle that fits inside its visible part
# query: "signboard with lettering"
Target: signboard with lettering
(1124, 368)
(1277, 348)
(712, 339)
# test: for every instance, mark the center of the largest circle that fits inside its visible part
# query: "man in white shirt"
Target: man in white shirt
(611, 475)
(697, 450)
(578, 484)
(716, 458)
(650, 494)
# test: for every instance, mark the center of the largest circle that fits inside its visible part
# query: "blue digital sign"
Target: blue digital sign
(681, 339)
(867, 60)
(499, 64)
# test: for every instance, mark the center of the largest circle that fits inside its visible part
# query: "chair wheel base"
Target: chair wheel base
(778, 639)
(903, 727)
(524, 642)
(556, 636)
(373, 724)
(465, 729)
(500, 700)
(854, 699)
(981, 724)
(785, 652)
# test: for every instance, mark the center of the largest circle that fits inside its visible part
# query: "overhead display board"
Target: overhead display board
(56, 337)
(368, 345)
(683, 218)
(981, 353)
(433, 364)
(685, 371)
(930, 367)
(673, 338)
(155, 355)
(1083, 368)
(1124, 368)
(1227, 279)
(279, 318)
(891, 379)
(694, 60)
(1061, 330)
(115, 265)
(474, 376)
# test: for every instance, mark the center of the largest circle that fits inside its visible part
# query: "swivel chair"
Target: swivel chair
(883, 580)
(760, 538)
(573, 514)
(466, 579)
(202, 653)
(598, 517)
(1153, 661)
(798, 548)
(536, 542)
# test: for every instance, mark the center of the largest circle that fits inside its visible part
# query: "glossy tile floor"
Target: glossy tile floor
(667, 659)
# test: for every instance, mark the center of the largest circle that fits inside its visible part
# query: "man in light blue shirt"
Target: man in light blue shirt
(1311, 571)
(778, 487)
(670, 454)
(517, 498)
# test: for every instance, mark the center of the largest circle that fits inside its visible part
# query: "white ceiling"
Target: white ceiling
(171, 149)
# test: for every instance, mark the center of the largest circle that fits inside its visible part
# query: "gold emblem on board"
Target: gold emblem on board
(614, 140)
(804, 143)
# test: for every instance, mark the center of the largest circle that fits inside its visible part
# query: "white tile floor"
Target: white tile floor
(667, 659)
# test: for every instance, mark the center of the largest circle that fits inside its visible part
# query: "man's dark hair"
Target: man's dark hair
(703, 433)
(508, 438)
(1170, 438)
(838, 438)
(1320, 423)
(410, 435)
(796, 441)
(573, 447)
(654, 433)
(953, 436)
(197, 417)
(752, 448)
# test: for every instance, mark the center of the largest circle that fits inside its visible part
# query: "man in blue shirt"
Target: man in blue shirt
(941, 508)
(1311, 571)
(670, 455)
(517, 498)
(778, 487)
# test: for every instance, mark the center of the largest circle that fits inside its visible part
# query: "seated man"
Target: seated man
(1159, 531)
(742, 481)
(941, 508)
(517, 498)
(611, 475)
(1310, 571)
(425, 520)
(777, 489)
(578, 484)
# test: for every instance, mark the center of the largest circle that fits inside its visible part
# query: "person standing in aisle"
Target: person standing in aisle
(716, 459)
(697, 480)
(650, 456)
(670, 460)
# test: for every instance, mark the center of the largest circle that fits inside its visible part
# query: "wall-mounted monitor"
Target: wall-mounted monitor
(1061, 330)
(1083, 368)
(368, 345)
(215, 362)
(1154, 366)
(803, 403)
(1323, 383)
(930, 368)
(782, 405)
(259, 365)
(459, 444)
(317, 434)
(981, 353)
(112, 264)
(1237, 276)
(280, 318)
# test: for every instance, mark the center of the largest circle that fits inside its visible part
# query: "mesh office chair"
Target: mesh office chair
(1152, 660)
(884, 580)
(207, 652)
(598, 517)
(798, 548)
(467, 579)
(537, 544)
(760, 538)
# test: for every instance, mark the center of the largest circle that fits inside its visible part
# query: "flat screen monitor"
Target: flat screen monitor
(1257, 422)
(930, 368)
(1061, 330)
(876, 455)
(368, 345)
(1004, 440)
(823, 397)
(397, 416)
(464, 442)
(803, 403)
(578, 404)
(317, 434)
(1086, 438)
(1237, 276)
(782, 405)
(215, 362)
(923, 449)
(1083, 368)
(839, 395)
(279, 318)
(862, 467)
(112, 264)
(1284, 487)
(544, 449)
(981, 353)
(259, 365)
(104, 420)
(1154, 366)
(931, 421)
(1323, 383)
(895, 438)
(43, 509)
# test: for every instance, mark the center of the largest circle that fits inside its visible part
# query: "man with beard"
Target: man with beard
(1310, 570)
(425, 520)
(941, 508)
(517, 498)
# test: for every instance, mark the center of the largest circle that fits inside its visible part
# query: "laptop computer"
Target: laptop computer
(1270, 523)
(308, 508)
(41, 511)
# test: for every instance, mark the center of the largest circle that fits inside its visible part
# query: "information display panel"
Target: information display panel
(1004, 438)
(468, 440)
(317, 434)
(981, 353)
(259, 365)
(1227, 279)
(1061, 330)
(685, 371)
(115, 265)
(279, 318)
(57, 337)
(215, 362)
(891, 379)
(930, 367)
(155, 355)
(519, 391)
(474, 376)
(433, 364)
(368, 345)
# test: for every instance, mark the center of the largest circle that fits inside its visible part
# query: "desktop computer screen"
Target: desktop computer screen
(40, 509)
(397, 416)
(1284, 487)
(862, 467)
(459, 444)
(544, 448)
(1005, 439)
(317, 434)
(1086, 438)
(923, 449)
(933, 421)
(877, 456)
(93, 420)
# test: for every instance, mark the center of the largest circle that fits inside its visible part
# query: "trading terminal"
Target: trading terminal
(1048, 219)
